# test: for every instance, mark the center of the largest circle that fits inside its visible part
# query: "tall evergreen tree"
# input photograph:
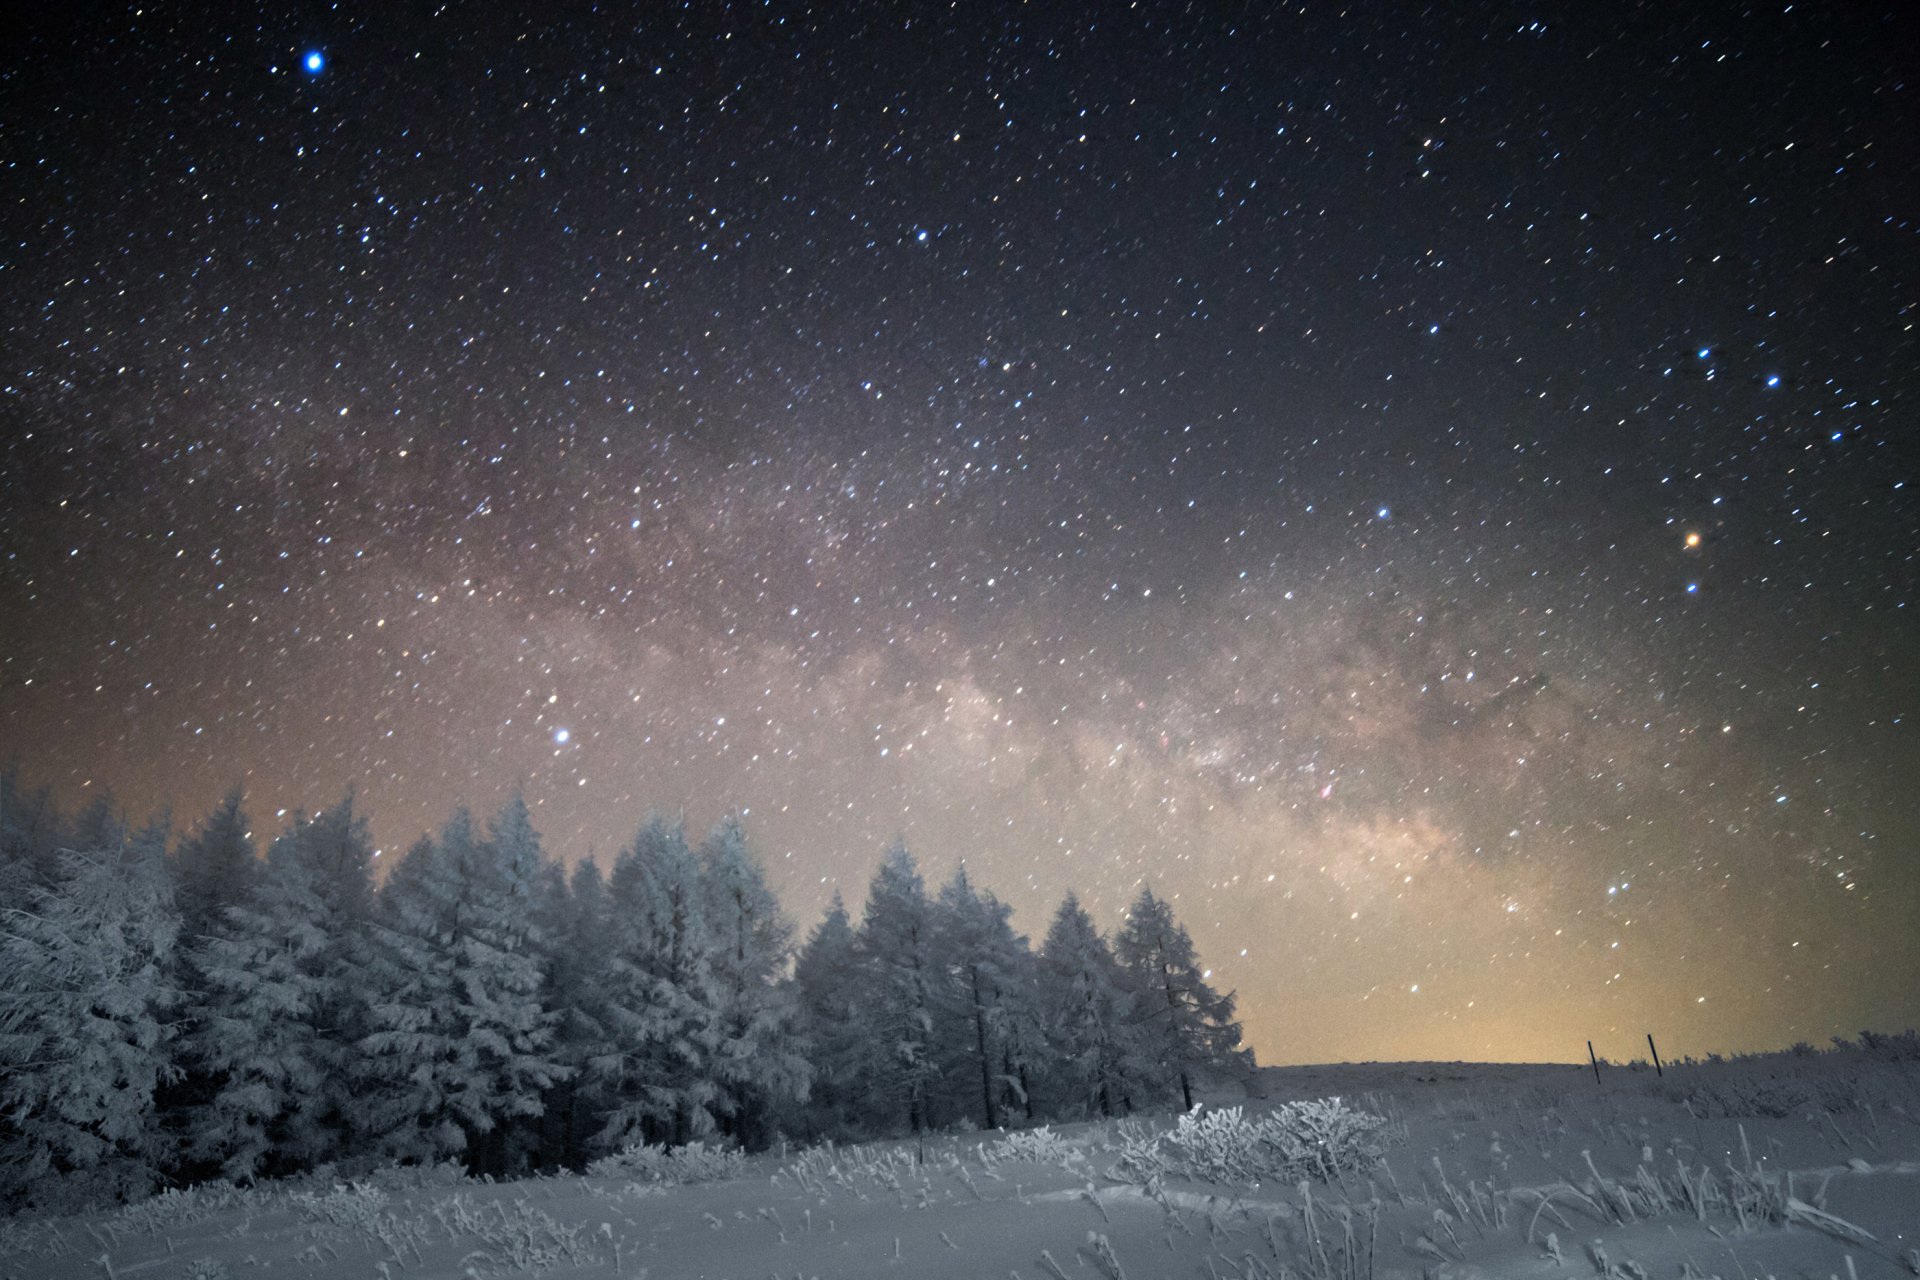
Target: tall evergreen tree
(282, 1005)
(983, 965)
(826, 984)
(85, 1024)
(1187, 1023)
(1096, 1058)
(30, 831)
(659, 1002)
(578, 911)
(895, 953)
(459, 1046)
(758, 1068)
(213, 869)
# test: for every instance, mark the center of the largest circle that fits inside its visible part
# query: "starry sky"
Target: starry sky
(1429, 490)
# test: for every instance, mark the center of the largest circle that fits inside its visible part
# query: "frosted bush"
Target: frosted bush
(175, 1208)
(360, 1206)
(1220, 1146)
(1041, 1146)
(670, 1166)
(1141, 1159)
(414, 1177)
(1326, 1140)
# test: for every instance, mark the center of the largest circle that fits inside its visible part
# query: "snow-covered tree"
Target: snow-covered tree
(895, 951)
(214, 867)
(281, 1009)
(757, 1065)
(1096, 1062)
(460, 1045)
(30, 837)
(575, 912)
(659, 1003)
(826, 984)
(86, 1004)
(983, 967)
(1185, 1022)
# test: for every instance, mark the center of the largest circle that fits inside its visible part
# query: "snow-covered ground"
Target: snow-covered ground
(1785, 1166)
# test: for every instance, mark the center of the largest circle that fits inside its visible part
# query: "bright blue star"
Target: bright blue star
(1704, 352)
(1693, 588)
(560, 737)
(1773, 380)
(315, 62)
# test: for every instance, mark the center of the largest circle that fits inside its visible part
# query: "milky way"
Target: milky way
(1430, 494)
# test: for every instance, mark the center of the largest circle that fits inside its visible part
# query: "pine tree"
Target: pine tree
(983, 966)
(826, 983)
(213, 868)
(85, 1031)
(758, 1068)
(576, 911)
(520, 1014)
(30, 837)
(282, 1009)
(460, 1045)
(1096, 1060)
(894, 947)
(1189, 1026)
(660, 1005)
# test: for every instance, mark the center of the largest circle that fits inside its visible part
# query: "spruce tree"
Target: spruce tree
(30, 837)
(1189, 1026)
(826, 984)
(659, 1003)
(213, 868)
(758, 1069)
(983, 966)
(460, 1045)
(894, 947)
(282, 1009)
(86, 1003)
(1096, 1061)
(577, 910)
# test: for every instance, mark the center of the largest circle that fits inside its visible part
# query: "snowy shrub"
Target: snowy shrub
(175, 1208)
(1325, 1140)
(670, 1166)
(1141, 1159)
(1041, 1146)
(360, 1206)
(1220, 1146)
(415, 1177)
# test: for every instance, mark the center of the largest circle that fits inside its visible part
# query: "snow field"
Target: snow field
(1462, 1172)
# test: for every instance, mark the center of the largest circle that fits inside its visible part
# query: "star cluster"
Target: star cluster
(1429, 492)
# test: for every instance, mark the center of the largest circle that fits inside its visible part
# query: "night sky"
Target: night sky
(1433, 492)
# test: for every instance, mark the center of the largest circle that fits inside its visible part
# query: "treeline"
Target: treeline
(178, 1010)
